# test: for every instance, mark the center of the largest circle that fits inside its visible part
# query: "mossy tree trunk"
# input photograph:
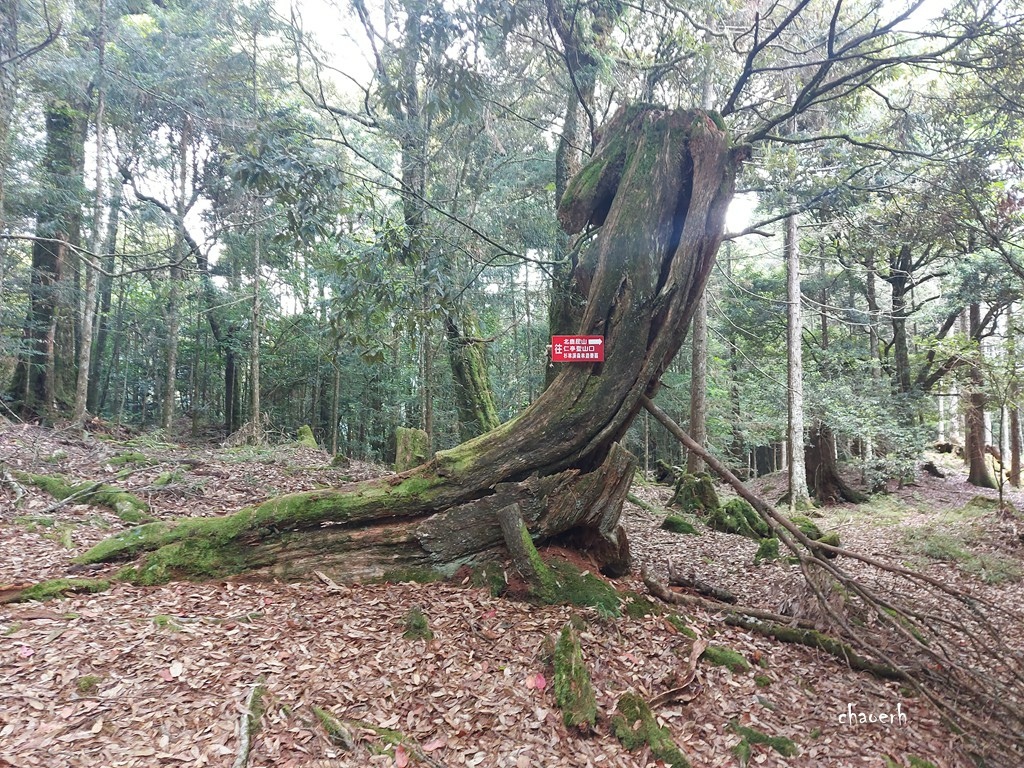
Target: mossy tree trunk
(478, 412)
(659, 186)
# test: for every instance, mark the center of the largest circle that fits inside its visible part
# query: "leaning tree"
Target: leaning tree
(656, 193)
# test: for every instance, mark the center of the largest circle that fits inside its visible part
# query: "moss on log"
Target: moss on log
(635, 726)
(48, 590)
(126, 506)
(737, 516)
(574, 692)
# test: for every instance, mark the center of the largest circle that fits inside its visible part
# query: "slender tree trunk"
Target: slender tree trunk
(173, 311)
(899, 279)
(660, 187)
(978, 471)
(254, 354)
(1013, 398)
(85, 344)
(105, 289)
(799, 496)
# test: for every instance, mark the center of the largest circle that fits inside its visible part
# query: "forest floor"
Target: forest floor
(162, 675)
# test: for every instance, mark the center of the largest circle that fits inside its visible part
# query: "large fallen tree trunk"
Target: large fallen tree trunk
(658, 188)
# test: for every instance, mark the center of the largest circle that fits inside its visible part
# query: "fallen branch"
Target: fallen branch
(249, 723)
(7, 479)
(677, 579)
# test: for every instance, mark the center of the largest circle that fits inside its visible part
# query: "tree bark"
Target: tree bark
(698, 383)
(478, 412)
(44, 379)
(978, 471)
(822, 466)
(799, 496)
(660, 186)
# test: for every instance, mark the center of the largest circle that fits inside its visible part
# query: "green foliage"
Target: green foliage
(635, 726)
(86, 685)
(636, 606)
(574, 692)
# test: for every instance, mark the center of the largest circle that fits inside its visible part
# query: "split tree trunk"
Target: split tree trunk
(660, 185)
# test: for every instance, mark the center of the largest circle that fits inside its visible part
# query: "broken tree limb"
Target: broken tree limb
(523, 553)
(249, 723)
(677, 579)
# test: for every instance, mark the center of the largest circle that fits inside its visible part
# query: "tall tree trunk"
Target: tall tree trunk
(254, 353)
(978, 471)
(85, 344)
(799, 496)
(105, 288)
(660, 186)
(478, 412)
(899, 279)
(44, 380)
(698, 383)
(1013, 396)
(172, 310)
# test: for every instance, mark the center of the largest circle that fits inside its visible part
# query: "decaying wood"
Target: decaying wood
(520, 547)
(7, 481)
(247, 725)
(678, 579)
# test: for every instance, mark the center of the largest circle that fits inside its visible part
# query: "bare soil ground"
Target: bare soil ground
(161, 675)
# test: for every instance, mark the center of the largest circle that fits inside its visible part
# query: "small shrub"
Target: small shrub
(416, 625)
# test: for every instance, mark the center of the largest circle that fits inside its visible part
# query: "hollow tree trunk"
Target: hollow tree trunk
(660, 185)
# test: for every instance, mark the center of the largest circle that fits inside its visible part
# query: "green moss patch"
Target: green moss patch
(767, 551)
(681, 626)
(736, 516)
(636, 606)
(807, 527)
(87, 684)
(126, 506)
(677, 524)
(751, 736)
(635, 726)
(130, 457)
(725, 657)
(573, 587)
(48, 590)
(574, 692)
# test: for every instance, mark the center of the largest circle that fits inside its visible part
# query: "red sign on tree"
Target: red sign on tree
(577, 349)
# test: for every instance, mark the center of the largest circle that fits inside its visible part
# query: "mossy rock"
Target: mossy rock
(725, 657)
(635, 726)
(574, 692)
(695, 494)
(767, 551)
(677, 524)
(736, 516)
(48, 590)
(306, 438)
(126, 506)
